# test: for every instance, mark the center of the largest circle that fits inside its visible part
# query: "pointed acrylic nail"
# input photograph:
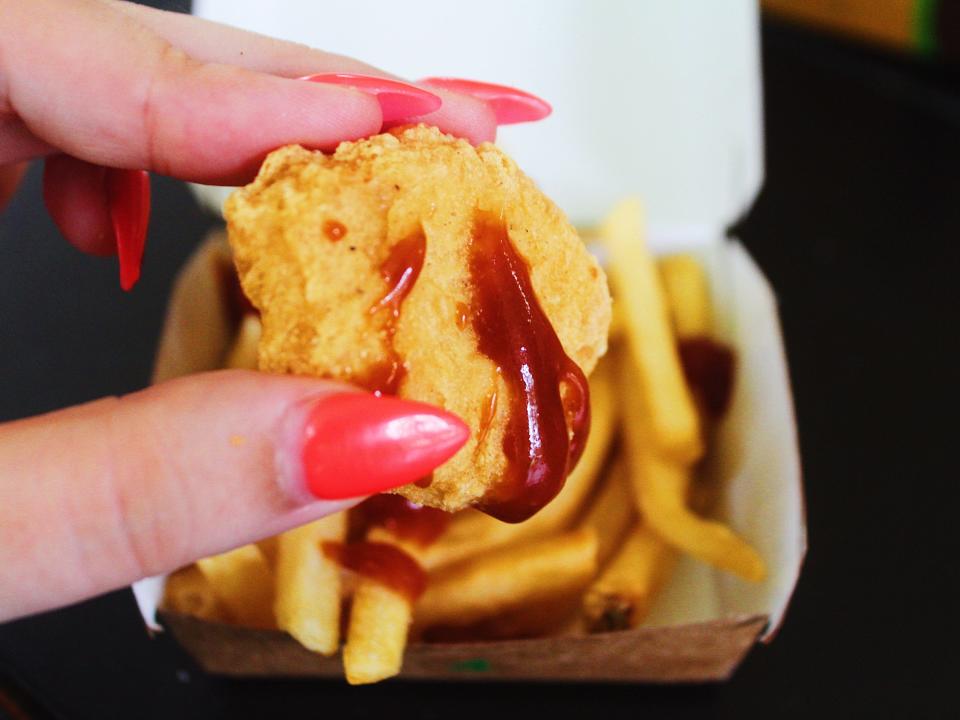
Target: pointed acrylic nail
(128, 198)
(509, 104)
(355, 444)
(398, 100)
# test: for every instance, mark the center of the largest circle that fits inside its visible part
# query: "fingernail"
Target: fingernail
(398, 100)
(355, 444)
(509, 105)
(128, 197)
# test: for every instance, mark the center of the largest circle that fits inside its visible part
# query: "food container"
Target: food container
(659, 100)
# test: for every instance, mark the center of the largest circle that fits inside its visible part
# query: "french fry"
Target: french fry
(268, 546)
(473, 533)
(307, 604)
(380, 618)
(623, 594)
(187, 591)
(507, 579)
(661, 487)
(243, 353)
(242, 583)
(377, 636)
(688, 295)
(655, 364)
(611, 511)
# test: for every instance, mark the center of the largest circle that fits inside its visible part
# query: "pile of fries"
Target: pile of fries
(593, 560)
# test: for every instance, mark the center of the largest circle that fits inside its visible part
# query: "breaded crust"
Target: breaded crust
(310, 237)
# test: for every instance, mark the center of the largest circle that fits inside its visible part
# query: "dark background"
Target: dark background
(856, 228)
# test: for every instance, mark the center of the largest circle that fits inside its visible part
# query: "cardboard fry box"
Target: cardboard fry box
(659, 100)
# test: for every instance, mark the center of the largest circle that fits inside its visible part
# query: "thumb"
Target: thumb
(95, 497)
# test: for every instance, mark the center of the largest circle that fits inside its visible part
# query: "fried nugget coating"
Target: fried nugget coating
(310, 238)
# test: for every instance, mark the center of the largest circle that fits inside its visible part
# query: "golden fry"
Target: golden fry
(623, 594)
(268, 546)
(687, 294)
(661, 486)
(243, 353)
(611, 511)
(379, 624)
(308, 584)
(473, 533)
(243, 585)
(188, 591)
(508, 579)
(655, 364)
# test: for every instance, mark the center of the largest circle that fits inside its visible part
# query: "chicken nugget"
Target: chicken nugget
(415, 264)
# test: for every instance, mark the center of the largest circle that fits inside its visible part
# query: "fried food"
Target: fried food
(655, 362)
(307, 602)
(377, 636)
(508, 579)
(621, 597)
(243, 352)
(473, 533)
(687, 292)
(611, 510)
(242, 584)
(188, 591)
(398, 263)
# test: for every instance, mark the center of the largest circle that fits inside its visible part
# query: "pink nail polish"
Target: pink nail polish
(355, 444)
(398, 100)
(509, 105)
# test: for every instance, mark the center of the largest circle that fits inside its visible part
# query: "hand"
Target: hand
(94, 497)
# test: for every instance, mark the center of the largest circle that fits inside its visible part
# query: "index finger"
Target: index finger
(112, 92)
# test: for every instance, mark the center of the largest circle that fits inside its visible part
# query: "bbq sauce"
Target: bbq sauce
(400, 271)
(404, 519)
(334, 230)
(709, 368)
(546, 429)
(382, 563)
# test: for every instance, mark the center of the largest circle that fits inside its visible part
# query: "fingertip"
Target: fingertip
(75, 194)
(462, 116)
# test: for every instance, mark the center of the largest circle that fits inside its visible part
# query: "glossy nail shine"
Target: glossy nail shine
(355, 444)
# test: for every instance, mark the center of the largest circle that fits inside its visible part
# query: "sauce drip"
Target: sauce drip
(709, 368)
(400, 271)
(334, 230)
(545, 432)
(382, 563)
(404, 519)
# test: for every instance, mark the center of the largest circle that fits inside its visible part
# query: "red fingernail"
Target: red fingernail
(398, 100)
(509, 104)
(356, 444)
(128, 197)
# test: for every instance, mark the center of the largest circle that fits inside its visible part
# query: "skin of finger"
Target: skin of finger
(176, 116)
(75, 194)
(462, 116)
(17, 143)
(209, 41)
(95, 497)
(9, 180)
